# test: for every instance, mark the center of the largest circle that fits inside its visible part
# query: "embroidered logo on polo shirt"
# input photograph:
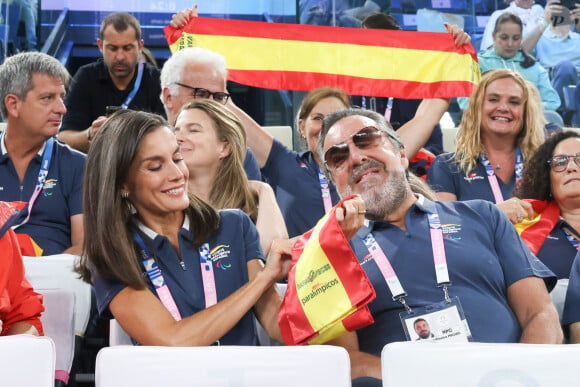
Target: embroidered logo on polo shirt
(49, 184)
(451, 231)
(220, 256)
(473, 176)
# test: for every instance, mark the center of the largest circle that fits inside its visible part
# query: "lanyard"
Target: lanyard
(325, 191)
(492, 178)
(439, 259)
(573, 241)
(131, 95)
(158, 281)
(42, 174)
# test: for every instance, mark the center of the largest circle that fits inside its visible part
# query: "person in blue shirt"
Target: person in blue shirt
(166, 265)
(571, 314)
(213, 145)
(502, 287)
(499, 131)
(553, 175)
(34, 166)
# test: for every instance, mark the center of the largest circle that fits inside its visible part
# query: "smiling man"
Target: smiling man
(460, 263)
(34, 168)
(119, 79)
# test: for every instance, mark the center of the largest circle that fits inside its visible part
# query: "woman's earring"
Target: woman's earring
(130, 206)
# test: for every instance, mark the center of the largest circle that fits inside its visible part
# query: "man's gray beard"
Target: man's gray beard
(381, 200)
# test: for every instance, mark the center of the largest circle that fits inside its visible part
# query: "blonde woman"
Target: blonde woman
(501, 128)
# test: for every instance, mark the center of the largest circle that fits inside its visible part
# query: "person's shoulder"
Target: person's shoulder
(65, 151)
(480, 207)
(232, 215)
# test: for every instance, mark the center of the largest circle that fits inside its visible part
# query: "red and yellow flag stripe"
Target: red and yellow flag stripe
(535, 231)
(401, 64)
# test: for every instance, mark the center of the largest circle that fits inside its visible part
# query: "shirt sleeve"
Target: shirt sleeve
(550, 98)
(441, 174)
(251, 166)
(18, 301)
(251, 239)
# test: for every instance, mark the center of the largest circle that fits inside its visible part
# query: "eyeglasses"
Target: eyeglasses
(559, 163)
(198, 92)
(336, 155)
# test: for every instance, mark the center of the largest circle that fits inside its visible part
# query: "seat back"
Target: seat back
(117, 336)
(56, 271)
(449, 135)
(58, 324)
(308, 366)
(282, 134)
(479, 364)
(27, 361)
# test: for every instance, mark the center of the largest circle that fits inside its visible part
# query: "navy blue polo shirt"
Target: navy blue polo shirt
(484, 256)
(251, 166)
(235, 243)
(557, 252)
(60, 198)
(294, 178)
(445, 176)
(571, 312)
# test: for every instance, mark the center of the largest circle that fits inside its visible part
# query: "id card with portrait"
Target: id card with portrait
(437, 322)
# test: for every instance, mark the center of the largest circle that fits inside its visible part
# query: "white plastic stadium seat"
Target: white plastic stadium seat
(407, 364)
(305, 366)
(27, 361)
(282, 134)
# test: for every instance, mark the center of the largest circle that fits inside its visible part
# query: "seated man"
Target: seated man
(20, 306)
(35, 168)
(461, 262)
(119, 79)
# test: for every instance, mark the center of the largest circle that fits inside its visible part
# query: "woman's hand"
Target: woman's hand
(460, 37)
(516, 210)
(279, 258)
(179, 19)
(351, 216)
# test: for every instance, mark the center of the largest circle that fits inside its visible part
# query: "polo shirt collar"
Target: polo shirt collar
(422, 204)
(4, 155)
(152, 234)
(552, 35)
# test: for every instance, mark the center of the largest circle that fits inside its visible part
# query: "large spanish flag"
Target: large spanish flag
(535, 231)
(328, 292)
(380, 63)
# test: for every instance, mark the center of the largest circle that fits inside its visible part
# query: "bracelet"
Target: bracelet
(545, 24)
(89, 137)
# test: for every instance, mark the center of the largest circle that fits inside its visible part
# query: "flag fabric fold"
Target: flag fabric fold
(10, 213)
(328, 292)
(380, 63)
(535, 231)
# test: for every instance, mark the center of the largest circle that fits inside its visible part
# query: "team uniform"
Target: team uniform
(235, 243)
(484, 257)
(295, 179)
(571, 312)
(60, 198)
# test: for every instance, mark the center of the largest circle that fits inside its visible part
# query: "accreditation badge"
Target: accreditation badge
(443, 321)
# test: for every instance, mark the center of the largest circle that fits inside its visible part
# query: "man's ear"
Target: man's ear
(404, 159)
(100, 45)
(141, 44)
(12, 103)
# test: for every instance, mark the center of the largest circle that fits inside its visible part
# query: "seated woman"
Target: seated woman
(150, 237)
(500, 130)
(213, 146)
(506, 52)
(553, 175)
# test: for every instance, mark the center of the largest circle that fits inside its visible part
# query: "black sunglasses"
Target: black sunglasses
(336, 155)
(559, 163)
(199, 92)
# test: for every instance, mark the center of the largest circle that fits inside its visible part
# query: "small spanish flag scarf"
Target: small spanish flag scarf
(535, 231)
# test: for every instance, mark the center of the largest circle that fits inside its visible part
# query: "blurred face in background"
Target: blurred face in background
(507, 40)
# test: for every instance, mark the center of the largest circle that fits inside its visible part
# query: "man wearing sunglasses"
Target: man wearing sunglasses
(458, 263)
(118, 80)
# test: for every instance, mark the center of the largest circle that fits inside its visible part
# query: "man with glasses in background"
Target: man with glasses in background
(460, 264)
(119, 80)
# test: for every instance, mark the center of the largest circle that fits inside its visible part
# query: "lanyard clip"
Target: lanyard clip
(401, 299)
(445, 288)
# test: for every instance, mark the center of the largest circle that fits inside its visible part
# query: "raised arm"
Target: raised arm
(361, 363)
(531, 39)
(535, 311)
(270, 222)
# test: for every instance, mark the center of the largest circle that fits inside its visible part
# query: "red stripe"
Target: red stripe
(535, 235)
(352, 85)
(310, 33)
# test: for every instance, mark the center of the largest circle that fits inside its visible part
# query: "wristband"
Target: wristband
(545, 24)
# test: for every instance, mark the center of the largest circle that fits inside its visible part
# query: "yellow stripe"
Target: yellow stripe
(335, 58)
(334, 298)
(331, 332)
(526, 223)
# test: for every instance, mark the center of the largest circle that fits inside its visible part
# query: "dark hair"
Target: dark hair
(380, 21)
(108, 246)
(418, 320)
(535, 182)
(509, 17)
(120, 21)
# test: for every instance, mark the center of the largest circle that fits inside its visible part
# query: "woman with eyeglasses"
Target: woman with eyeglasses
(213, 145)
(553, 175)
(499, 131)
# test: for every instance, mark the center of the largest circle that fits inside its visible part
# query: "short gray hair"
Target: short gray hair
(16, 74)
(174, 66)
